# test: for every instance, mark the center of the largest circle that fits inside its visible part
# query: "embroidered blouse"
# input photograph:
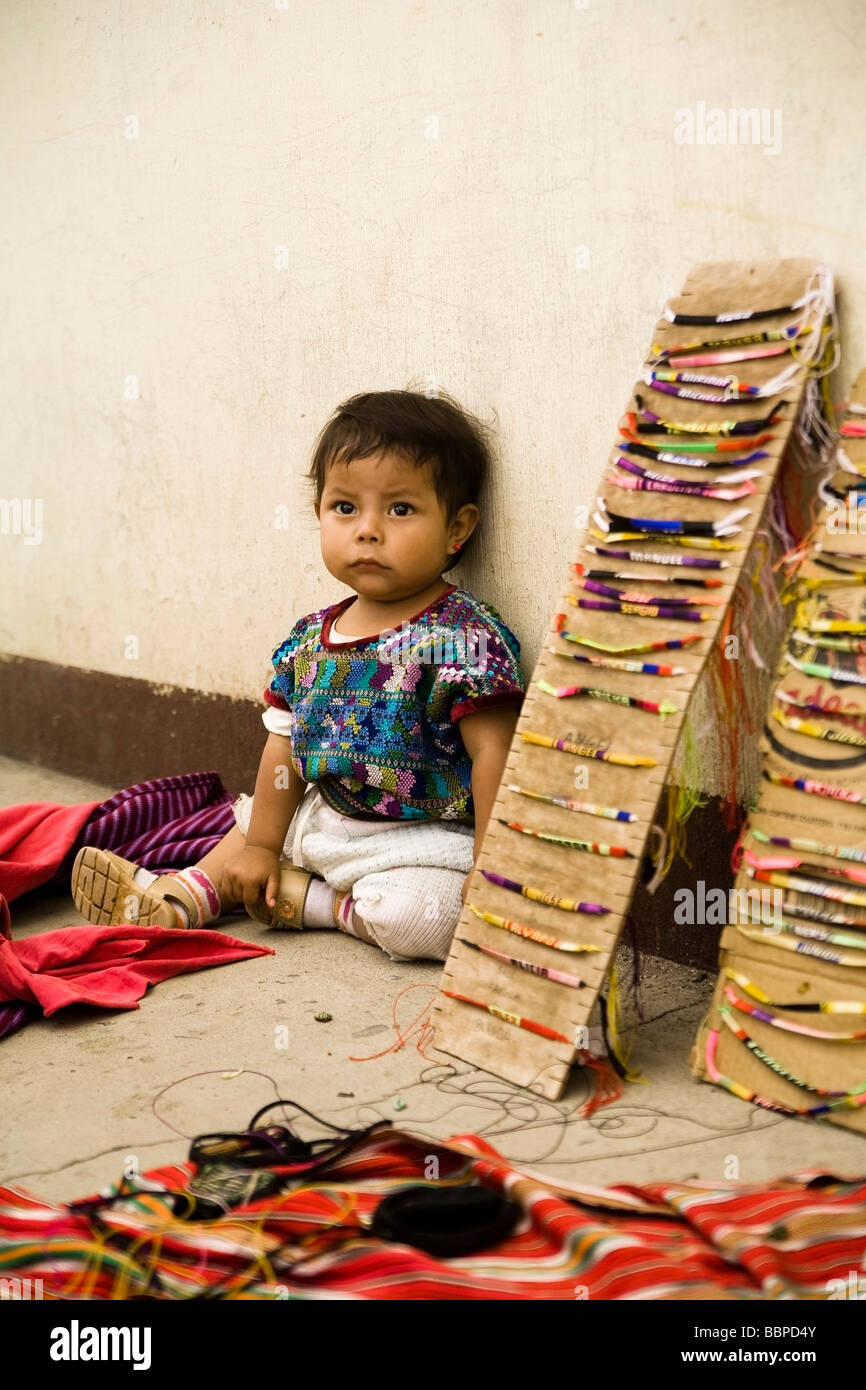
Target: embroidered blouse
(375, 720)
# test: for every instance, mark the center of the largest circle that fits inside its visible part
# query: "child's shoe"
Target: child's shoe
(291, 896)
(105, 892)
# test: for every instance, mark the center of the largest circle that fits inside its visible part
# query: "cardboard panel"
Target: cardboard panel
(814, 970)
(467, 1031)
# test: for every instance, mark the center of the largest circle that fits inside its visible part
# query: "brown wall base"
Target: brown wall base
(118, 730)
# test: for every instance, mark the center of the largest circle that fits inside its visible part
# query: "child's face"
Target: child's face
(382, 508)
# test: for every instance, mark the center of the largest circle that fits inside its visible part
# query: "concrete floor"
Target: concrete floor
(80, 1093)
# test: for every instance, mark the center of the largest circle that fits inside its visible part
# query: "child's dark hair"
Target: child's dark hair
(434, 430)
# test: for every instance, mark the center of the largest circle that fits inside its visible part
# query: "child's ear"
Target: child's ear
(465, 522)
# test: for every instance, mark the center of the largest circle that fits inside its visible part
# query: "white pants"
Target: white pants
(406, 877)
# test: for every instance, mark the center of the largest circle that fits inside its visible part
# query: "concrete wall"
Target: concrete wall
(487, 194)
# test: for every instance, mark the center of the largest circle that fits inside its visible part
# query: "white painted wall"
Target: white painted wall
(454, 257)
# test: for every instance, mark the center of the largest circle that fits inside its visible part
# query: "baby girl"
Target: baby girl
(389, 714)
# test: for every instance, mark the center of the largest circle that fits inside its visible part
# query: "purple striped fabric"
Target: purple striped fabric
(162, 825)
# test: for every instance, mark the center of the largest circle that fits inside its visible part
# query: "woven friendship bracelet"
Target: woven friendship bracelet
(652, 558)
(811, 846)
(643, 668)
(818, 1006)
(661, 708)
(656, 455)
(650, 423)
(718, 352)
(590, 846)
(800, 947)
(589, 750)
(539, 895)
(556, 943)
(645, 480)
(664, 645)
(838, 1099)
(813, 788)
(587, 807)
(694, 581)
(813, 730)
(560, 977)
(764, 1015)
(583, 581)
(531, 1027)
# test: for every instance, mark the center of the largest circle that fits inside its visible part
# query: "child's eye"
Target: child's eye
(404, 504)
(337, 505)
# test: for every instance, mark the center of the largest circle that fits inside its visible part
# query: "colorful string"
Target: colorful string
(734, 392)
(783, 336)
(838, 1100)
(589, 750)
(794, 861)
(808, 885)
(660, 707)
(838, 674)
(609, 591)
(642, 610)
(650, 558)
(811, 846)
(589, 846)
(538, 895)
(587, 807)
(739, 316)
(634, 433)
(559, 977)
(818, 1006)
(654, 424)
(602, 532)
(676, 526)
(836, 644)
(813, 730)
(811, 913)
(556, 943)
(666, 645)
(813, 788)
(526, 1023)
(657, 455)
(764, 1015)
(645, 480)
(592, 586)
(803, 946)
(643, 668)
(695, 581)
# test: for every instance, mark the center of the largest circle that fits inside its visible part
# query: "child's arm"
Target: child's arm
(487, 737)
(278, 793)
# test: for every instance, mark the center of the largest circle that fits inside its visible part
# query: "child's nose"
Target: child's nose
(369, 527)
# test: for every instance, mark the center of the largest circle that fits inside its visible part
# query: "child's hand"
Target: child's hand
(253, 874)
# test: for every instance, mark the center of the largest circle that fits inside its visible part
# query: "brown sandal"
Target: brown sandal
(291, 896)
(104, 892)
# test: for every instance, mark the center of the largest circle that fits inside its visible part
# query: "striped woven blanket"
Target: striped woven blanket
(798, 1238)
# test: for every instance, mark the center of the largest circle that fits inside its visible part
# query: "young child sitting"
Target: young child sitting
(389, 714)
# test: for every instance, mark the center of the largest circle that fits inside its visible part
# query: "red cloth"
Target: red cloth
(108, 966)
(34, 838)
